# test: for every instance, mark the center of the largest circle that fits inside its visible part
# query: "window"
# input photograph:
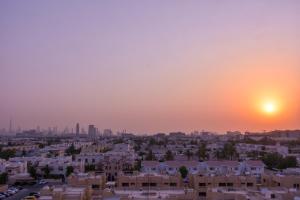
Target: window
(249, 184)
(93, 160)
(145, 184)
(273, 196)
(229, 184)
(202, 194)
(153, 184)
(125, 184)
(202, 184)
(173, 184)
(253, 168)
(95, 186)
(222, 184)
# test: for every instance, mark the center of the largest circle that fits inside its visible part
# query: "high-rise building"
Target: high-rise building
(92, 131)
(77, 129)
(10, 126)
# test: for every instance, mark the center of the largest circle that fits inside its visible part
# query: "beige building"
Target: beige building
(152, 181)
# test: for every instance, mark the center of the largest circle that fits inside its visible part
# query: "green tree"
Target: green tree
(32, 171)
(183, 171)
(152, 142)
(229, 151)
(47, 171)
(169, 155)
(150, 156)
(138, 165)
(272, 160)
(3, 178)
(189, 154)
(69, 170)
(290, 161)
(72, 150)
(202, 152)
(6, 154)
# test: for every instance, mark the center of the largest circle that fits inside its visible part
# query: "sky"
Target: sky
(150, 66)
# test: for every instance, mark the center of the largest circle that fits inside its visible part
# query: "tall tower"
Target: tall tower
(10, 126)
(92, 131)
(77, 129)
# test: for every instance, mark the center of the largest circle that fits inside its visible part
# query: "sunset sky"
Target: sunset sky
(151, 66)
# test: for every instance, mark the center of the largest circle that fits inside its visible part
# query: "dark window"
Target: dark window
(145, 184)
(230, 184)
(202, 184)
(249, 184)
(202, 194)
(95, 186)
(125, 184)
(153, 184)
(222, 184)
(173, 184)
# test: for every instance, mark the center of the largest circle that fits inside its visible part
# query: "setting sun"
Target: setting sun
(270, 107)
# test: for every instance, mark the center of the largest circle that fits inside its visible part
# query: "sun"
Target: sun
(269, 107)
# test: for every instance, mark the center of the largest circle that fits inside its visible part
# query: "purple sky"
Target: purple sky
(149, 66)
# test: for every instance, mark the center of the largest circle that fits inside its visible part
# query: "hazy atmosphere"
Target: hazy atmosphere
(150, 66)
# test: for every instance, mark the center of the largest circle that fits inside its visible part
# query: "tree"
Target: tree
(169, 155)
(47, 171)
(189, 154)
(6, 154)
(275, 160)
(202, 155)
(183, 171)
(70, 170)
(3, 178)
(229, 151)
(32, 171)
(290, 161)
(150, 156)
(72, 150)
(138, 165)
(152, 142)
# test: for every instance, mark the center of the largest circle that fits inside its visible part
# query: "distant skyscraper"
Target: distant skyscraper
(77, 129)
(10, 126)
(92, 131)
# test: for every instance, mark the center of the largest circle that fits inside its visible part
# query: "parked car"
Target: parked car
(36, 194)
(30, 198)
(42, 182)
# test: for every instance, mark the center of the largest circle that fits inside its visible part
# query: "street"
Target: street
(25, 192)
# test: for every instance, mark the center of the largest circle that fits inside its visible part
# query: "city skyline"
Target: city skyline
(151, 67)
